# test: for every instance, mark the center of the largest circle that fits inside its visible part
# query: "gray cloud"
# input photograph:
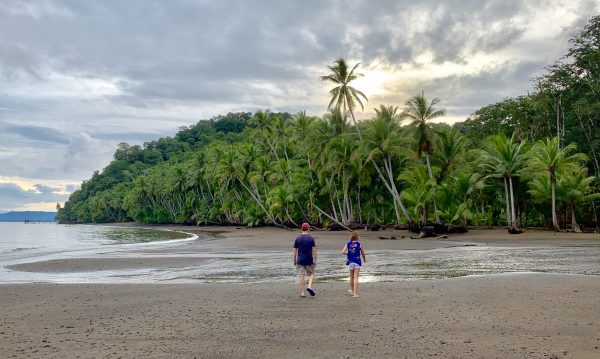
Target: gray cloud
(76, 78)
(13, 196)
(44, 134)
(45, 189)
(72, 188)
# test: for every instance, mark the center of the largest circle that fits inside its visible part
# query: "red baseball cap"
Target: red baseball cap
(305, 226)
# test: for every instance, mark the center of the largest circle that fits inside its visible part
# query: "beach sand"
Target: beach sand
(525, 315)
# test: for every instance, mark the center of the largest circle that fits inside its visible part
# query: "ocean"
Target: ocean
(135, 255)
(26, 242)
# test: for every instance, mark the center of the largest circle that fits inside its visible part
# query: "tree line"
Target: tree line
(525, 161)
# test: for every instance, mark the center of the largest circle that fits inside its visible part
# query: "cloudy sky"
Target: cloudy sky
(78, 77)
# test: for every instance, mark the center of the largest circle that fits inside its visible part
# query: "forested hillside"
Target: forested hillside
(526, 161)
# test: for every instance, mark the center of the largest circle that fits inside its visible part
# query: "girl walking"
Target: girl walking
(354, 251)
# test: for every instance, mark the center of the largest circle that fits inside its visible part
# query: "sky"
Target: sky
(79, 77)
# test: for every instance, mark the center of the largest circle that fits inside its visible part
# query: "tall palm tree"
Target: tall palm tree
(421, 112)
(504, 158)
(547, 157)
(383, 141)
(344, 96)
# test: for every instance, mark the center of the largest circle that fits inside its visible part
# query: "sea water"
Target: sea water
(26, 243)
(33, 242)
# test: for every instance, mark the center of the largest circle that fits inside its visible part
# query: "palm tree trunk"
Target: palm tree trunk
(574, 225)
(437, 216)
(554, 219)
(507, 202)
(513, 220)
(287, 213)
(392, 188)
(333, 219)
(396, 212)
(255, 198)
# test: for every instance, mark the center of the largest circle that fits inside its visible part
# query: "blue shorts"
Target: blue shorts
(353, 265)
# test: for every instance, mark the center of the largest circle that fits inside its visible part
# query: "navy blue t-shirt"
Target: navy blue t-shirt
(304, 243)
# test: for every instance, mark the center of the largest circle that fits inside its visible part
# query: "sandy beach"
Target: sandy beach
(518, 315)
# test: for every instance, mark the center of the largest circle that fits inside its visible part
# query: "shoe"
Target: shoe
(310, 291)
(350, 292)
(355, 296)
(302, 296)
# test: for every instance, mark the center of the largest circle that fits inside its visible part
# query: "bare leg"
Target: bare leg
(352, 280)
(310, 279)
(302, 285)
(355, 288)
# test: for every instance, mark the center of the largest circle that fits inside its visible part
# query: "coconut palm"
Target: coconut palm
(419, 192)
(421, 112)
(455, 196)
(547, 157)
(576, 188)
(384, 143)
(340, 166)
(449, 146)
(344, 96)
(504, 158)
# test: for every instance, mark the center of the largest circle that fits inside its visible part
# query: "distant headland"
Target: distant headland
(30, 216)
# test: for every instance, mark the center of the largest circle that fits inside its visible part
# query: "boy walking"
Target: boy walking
(305, 259)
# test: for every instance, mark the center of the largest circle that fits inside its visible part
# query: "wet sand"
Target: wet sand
(501, 316)
(101, 264)
(495, 316)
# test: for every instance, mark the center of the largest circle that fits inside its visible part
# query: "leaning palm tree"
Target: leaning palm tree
(383, 142)
(504, 158)
(547, 157)
(421, 112)
(344, 96)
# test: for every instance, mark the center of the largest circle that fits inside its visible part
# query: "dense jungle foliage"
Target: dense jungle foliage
(525, 161)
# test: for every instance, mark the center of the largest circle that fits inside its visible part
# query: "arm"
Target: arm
(295, 255)
(314, 253)
(362, 252)
(345, 250)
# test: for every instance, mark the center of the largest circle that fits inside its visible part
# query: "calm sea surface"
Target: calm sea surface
(24, 243)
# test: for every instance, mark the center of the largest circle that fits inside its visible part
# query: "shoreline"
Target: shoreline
(179, 254)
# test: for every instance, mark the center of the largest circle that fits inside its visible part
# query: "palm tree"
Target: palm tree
(547, 157)
(504, 158)
(421, 112)
(576, 188)
(455, 196)
(344, 96)
(340, 167)
(383, 142)
(419, 192)
(449, 145)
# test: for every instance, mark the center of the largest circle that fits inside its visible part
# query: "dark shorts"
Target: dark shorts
(305, 270)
